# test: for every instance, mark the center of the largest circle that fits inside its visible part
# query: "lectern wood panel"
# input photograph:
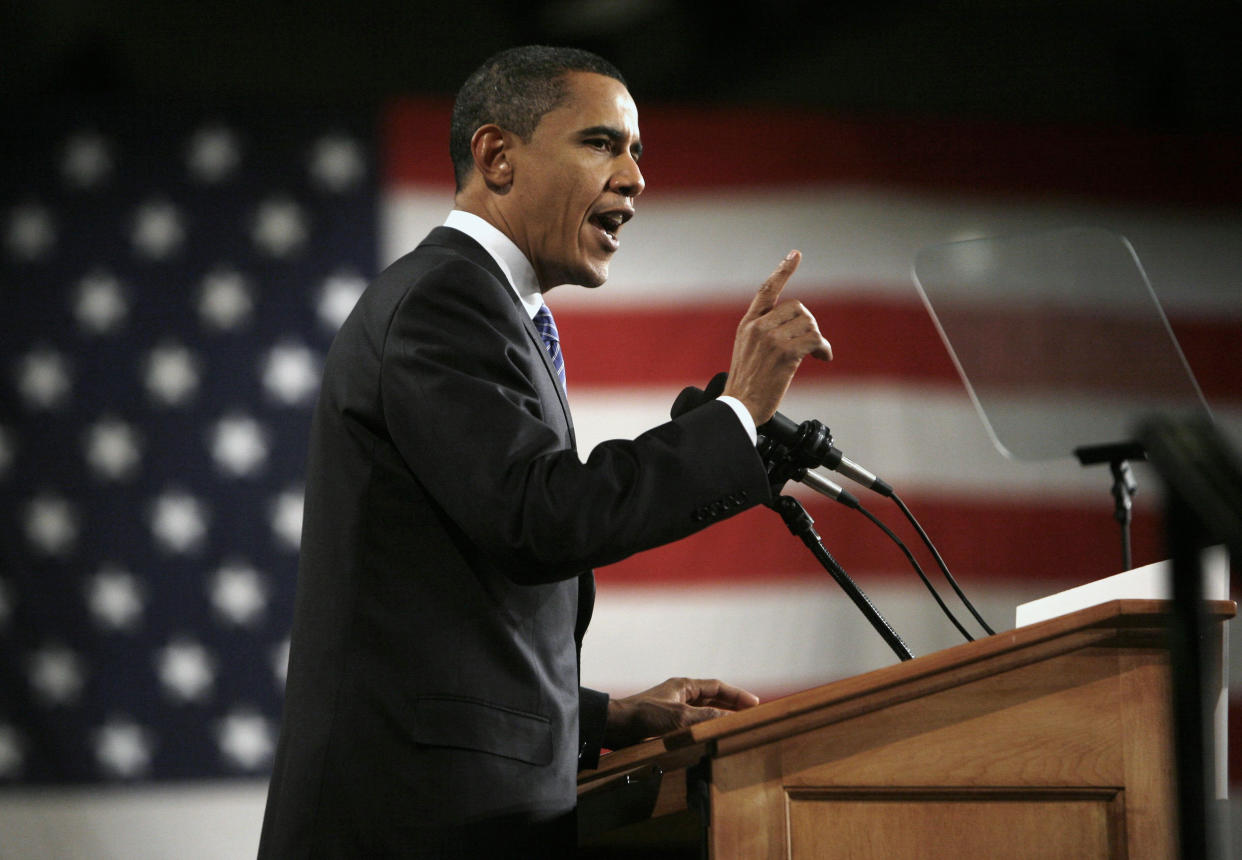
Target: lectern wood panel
(1035, 750)
(965, 824)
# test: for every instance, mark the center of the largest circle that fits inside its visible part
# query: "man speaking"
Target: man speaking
(432, 705)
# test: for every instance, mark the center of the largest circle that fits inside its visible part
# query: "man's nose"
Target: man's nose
(628, 181)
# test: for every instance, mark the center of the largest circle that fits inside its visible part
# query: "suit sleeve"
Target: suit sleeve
(460, 390)
(592, 720)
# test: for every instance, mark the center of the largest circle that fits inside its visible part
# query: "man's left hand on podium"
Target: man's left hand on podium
(674, 704)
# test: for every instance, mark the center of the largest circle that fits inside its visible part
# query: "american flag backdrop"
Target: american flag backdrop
(172, 280)
(171, 285)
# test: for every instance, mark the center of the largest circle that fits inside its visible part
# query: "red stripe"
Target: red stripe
(983, 540)
(1213, 349)
(414, 136)
(701, 148)
(1013, 350)
(881, 339)
(673, 345)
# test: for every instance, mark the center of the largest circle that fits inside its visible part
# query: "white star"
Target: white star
(225, 300)
(213, 154)
(43, 378)
(115, 598)
(87, 161)
(123, 748)
(157, 230)
(30, 232)
(7, 448)
(113, 449)
(12, 754)
(178, 521)
(238, 593)
(171, 374)
(56, 673)
(280, 661)
(286, 518)
(186, 670)
(51, 524)
(246, 738)
(100, 305)
(279, 227)
(290, 373)
(239, 445)
(337, 297)
(337, 163)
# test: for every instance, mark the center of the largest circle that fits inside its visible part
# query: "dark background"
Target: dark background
(1146, 64)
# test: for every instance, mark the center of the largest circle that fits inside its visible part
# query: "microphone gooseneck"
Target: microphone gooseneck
(791, 450)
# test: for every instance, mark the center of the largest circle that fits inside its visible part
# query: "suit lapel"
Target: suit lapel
(458, 241)
(472, 250)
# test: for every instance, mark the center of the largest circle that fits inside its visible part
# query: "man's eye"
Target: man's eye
(602, 143)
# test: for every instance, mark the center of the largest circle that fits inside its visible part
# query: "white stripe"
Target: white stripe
(784, 637)
(696, 246)
(916, 438)
(189, 822)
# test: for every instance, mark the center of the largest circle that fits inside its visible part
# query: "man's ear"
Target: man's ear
(489, 145)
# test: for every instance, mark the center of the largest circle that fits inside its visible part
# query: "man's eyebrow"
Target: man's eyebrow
(614, 134)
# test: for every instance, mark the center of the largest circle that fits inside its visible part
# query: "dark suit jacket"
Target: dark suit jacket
(432, 703)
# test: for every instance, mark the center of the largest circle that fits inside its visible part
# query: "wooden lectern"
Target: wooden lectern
(1051, 740)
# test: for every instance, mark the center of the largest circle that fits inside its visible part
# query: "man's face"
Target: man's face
(574, 182)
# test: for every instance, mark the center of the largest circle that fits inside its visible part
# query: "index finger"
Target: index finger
(719, 694)
(770, 290)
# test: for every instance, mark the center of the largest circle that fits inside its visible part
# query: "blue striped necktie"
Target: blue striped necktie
(551, 340)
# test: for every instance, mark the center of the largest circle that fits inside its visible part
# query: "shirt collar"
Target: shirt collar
(508, 257)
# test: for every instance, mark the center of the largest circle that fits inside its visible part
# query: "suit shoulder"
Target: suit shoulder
(426, 277)
(433, 262)
(433, 285)
(435, 272)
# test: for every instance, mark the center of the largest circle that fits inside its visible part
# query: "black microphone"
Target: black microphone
(692, 397)
(825, 487)
(811, 440)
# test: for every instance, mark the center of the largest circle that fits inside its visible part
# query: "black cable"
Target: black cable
(940, 561)
(919, 570)
(783, 465)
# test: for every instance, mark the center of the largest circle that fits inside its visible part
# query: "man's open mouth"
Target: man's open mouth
(610, 223)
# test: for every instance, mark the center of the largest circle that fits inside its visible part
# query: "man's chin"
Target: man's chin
(589, 273)
(592, 277)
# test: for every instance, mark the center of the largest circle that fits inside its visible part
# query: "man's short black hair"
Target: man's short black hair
(514, 89)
